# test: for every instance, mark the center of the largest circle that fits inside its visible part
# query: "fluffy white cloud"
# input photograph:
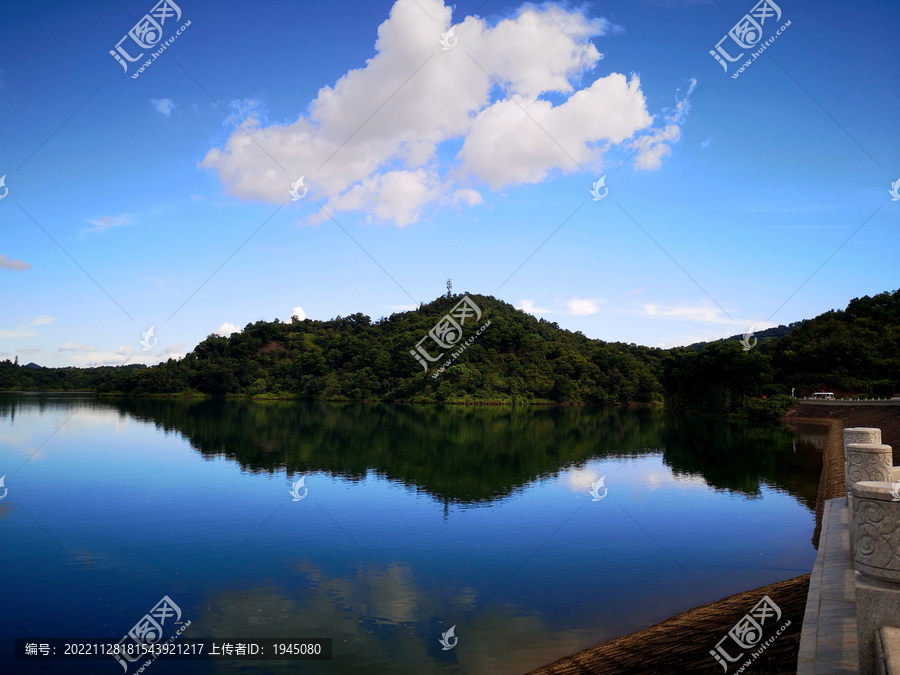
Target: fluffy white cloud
(389, 164)
(656, 144)
(585, 307)
(528, 306)
(17, 265)
(226, 329)
(299, 313)
(73, 347)
(163, 105)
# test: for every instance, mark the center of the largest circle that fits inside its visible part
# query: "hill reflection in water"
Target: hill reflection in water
(468, 455)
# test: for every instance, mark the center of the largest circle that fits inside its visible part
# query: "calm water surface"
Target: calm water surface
(416, 519)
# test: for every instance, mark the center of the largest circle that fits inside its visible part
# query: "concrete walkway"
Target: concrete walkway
(828, 638)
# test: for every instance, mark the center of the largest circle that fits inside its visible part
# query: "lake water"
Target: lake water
(412, 519)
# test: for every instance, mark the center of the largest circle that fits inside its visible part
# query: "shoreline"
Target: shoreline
(682, 643)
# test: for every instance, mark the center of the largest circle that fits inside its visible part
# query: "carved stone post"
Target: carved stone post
(864, 461)
(876, 520)
(857, 435)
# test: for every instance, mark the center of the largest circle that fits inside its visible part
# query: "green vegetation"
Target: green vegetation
(516, 359)
(761, 336)
(35, 378)
(718, 380)
(854, 352)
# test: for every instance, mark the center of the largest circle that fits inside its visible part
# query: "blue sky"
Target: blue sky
(127, 195)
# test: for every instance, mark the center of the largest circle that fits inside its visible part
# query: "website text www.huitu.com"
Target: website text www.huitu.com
(762, 648)
(459, 351)
(763, 47)
(161, 49)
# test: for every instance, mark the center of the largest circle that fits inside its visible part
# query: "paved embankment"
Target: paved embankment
(828, 641)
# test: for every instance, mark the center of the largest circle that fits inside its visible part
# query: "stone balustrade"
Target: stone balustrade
(865, 459)
(873, 501)
(876, 526)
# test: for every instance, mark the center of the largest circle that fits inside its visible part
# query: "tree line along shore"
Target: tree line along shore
(517, 359)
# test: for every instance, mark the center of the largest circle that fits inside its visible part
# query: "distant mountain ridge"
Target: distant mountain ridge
(762, 336)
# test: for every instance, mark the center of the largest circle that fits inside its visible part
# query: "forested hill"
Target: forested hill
(504, 356)
(515, 358)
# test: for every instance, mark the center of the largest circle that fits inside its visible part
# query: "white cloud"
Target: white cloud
(117, 358)
(656, 144)
(242, 109)
(30, 350)
(636, 291)
(584, 307)
(705, 144)
(17, 265)
(163, 105)
(196, 198)
(17, 333)
(528, 306)
(226, 329)
(73, 347)
(41, 320)
(22, 331)
(704, 313)
(107, 222)
(390, 166)
(299, 313)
